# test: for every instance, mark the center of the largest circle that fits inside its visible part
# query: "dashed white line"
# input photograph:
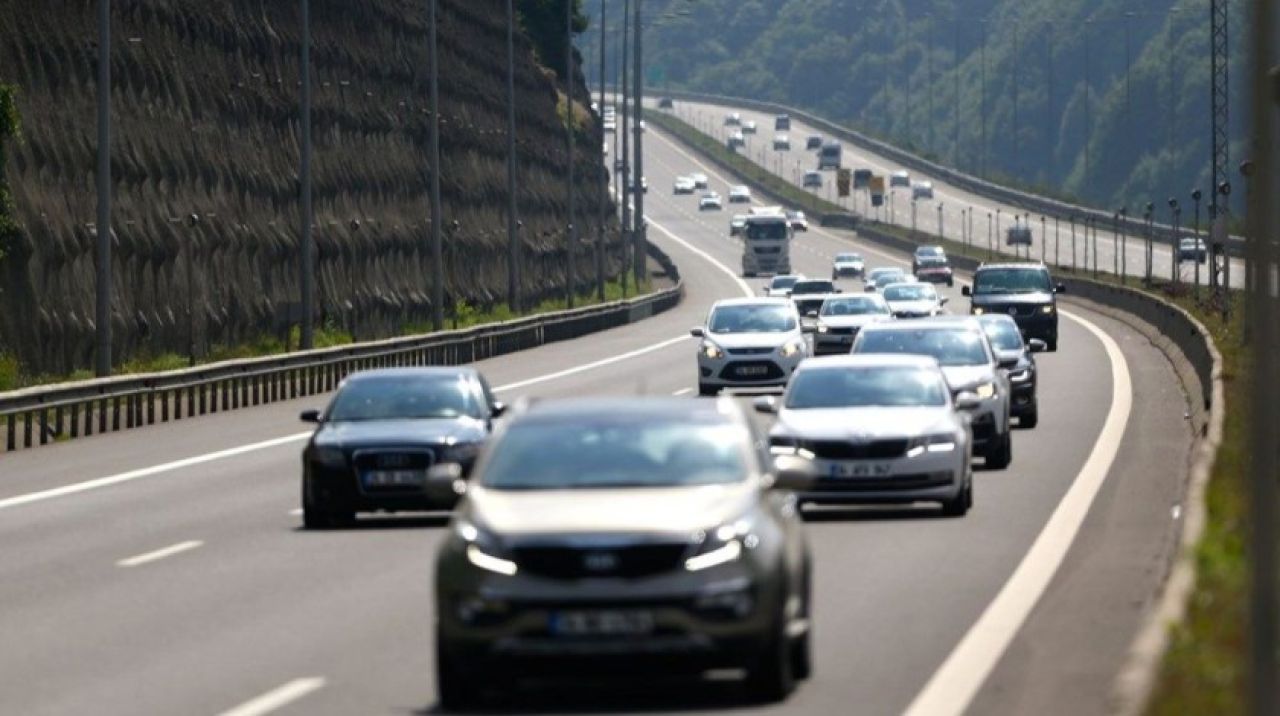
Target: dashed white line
(160, 554)
(682, 391)
(277, 698)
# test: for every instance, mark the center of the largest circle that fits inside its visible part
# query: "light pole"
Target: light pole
(102, 309)
(1173, 256)
(1075, 266)
(1196, 195)
(625, 157)
(193, 220)
(913, 217)
(513, 234)
(1149, 216)
(1044, 238)
(1124, 245)
(570, 120)
(603, 203)
(941, 233)
(638, 85)
(1057, 240)
(437, 239)
(991, 249)
(306, 334)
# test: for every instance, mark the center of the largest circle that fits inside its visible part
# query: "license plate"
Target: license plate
(861, 469)
(605, 622)
(394, 478)
(748, 370)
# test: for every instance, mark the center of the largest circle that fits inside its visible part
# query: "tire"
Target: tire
(707, 390)
(315, 519)
(950, 283)
(959, 506)
(456, 691)
(771, 680)
(1029, 420)
(801, 648)
(1053, 345)
(999, 457)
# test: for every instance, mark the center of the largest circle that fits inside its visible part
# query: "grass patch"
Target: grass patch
(466, 315)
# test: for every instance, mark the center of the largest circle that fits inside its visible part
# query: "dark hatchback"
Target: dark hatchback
(383, 431)
(1016, 359)
(1022, 291)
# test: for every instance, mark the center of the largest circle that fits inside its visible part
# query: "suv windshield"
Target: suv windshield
(853, 306)
(1011, 280)
(929, 252)
(910, 292)
(888, 387)
(404, 397)
(762, 318)
(1004, 335)
(950, 346)
(804, 287)
(784, 281)
(841, 258)
(622, 452)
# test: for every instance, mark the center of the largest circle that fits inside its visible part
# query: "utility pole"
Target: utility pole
(1088, 112)
(513, 233)
(625, 157)
(982, 151)
(1219, 78)
(605, 191)
(437, 241)
(1017, 76)
(569, 117)
(638, 84)
(955, 103)
(102, 309)
(928, 72)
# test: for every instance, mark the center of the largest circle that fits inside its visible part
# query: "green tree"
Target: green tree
(544, 23)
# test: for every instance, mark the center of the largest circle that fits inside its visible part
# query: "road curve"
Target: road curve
(190, 588)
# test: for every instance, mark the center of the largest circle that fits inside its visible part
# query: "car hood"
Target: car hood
(752, 340)
(921, 306)
(960, 377)
(863, 423)
(361, 433)
(680, 510)
(1014, 298)
(853, 321)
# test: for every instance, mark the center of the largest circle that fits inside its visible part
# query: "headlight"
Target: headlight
(822, 328)
(724, 554)
(790, 349)
(462, 452)
(479, 554)
(723, 546)
(1047, 309)
(711, 350)
(329, 457)
(942, 442)
(978, 311)
(1020, 376)
(986, 390)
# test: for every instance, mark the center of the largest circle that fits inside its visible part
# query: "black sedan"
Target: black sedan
(381, 433)
(1016, 359)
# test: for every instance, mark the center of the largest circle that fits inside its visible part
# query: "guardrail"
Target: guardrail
(968, 182)
(38, 415)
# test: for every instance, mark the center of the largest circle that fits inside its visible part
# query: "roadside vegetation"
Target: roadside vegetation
(10, 128)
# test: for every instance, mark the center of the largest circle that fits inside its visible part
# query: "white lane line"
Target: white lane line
(953, 686)
(591, 366)
(277, 698)
(682, 391)
(746, 290)
(160, 554)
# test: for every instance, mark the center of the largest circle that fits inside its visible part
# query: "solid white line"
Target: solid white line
(954, 685)
(160, 554)
(682, 391)
(277, 698)
(591, 366)
(746, 289)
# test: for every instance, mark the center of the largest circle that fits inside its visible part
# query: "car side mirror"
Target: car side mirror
(1037, 346)
(968, 402)
(1060, 288)
(445, 483)
(497, 409)
(766, 404)
(310, 416)
(966, 291)
(943, 301)
(793, 473)
(698, 332)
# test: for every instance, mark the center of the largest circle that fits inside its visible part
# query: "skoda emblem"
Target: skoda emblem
(600, 561)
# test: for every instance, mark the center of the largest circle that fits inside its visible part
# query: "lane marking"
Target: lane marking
(160, 554)
(277, 697)
(746, 289)
(593, 365)
(682, 391)
(953, 686)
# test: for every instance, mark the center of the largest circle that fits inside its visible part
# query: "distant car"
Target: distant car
(610, 125)
(739, 194)
(665, 103)
(709, 201)
(829, 156)
(737, 223)
(961, 347)
(1192, 249)
(922, 190)
(749, 343)
(642, 126)
(733, 119)
(913, 300)
(809, 294)
(782, 123)
(841, 317)
(872, 279)
(814, 141)
(699, 180)
(812, 180)
(749, 127)
(880, 428)
(798, 221)
(380, 433)
(780, 286)
(926, 252)
(900, 178)
(683, 185)
(615, 534)
(1024, 291)
(736, 139)
(1018, 235)
(934, 269)
(781, 143)
(1018, 361)
(849, 265)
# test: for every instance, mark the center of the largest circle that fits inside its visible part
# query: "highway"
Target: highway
(956, 203)
(183, 584)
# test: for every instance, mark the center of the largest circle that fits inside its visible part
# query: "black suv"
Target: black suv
(1024, 291)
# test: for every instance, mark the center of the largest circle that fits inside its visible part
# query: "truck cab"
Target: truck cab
(766, 244)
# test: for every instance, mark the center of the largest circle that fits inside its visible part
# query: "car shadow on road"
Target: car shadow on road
(613, 696)
(862, 513)
(381, 523)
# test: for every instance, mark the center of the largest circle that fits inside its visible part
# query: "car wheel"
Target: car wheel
(999, 457)
(706, 389)
(961, 504)
(455, 689)
(1029, 419)
(314, 518)
(801, 649)
(950, 283)
(770, 680)
(1052, 345)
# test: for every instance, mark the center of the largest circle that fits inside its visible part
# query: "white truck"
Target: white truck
(766, 244)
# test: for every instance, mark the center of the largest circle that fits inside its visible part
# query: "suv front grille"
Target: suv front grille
(841, 450)
(627, 561)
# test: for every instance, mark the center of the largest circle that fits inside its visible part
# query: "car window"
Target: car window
(896, 387)
(1004, 335)
(848, 257)
(621, 452)
(813, 287)
(854, 306)
(950, 346)
(748, 318)
(1011, 280)
(406, 397)
(910, 292)
(784, 282)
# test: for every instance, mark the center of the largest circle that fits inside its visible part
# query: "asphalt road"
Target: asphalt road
(188, 587)
(956, 203)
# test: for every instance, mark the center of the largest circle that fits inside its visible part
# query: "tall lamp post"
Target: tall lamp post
(1173, 255)
(570, 120)
(638, 87)
(102, 309)
(1196, 195)
(604, 193)
(437, 239)
(513, 232)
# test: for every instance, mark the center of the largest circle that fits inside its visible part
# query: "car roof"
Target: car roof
(926, 324)
(424, 371)
(870, 360)
(996, 318)
(654, 408)
(752, 301)
(1014, 265)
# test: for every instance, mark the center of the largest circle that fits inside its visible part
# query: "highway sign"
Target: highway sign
(876, 187)
(842, 182)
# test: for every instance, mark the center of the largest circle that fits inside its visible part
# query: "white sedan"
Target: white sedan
(700, 180)
(710, 201)
(739, 194)
(683, 185)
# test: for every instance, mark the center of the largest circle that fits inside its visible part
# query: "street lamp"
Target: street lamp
(102, 309)
(1151, 228)
(1196, 196)
(1173, 255)
(437, 240)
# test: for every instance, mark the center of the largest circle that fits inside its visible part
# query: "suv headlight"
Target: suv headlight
(329, 457)
(461, 452)
(481, 551)
(1020, 376)
(1047, 309)
(792, 348)
(822, 327)
(711, 350)
(723, 546)
(941, 442)
(986, 390)
(978, 311)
